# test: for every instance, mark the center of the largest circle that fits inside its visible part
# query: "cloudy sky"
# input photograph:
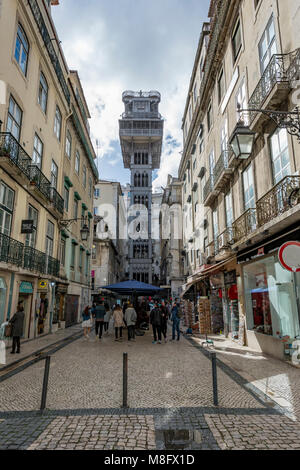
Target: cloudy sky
(119, 45)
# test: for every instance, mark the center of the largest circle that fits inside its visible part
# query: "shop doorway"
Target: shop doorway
(26, 300)
(3, 292)
(71, 310)
(41, 314)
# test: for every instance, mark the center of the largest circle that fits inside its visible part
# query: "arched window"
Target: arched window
(139, 180)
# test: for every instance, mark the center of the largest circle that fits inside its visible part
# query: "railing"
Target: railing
(38, 179)
(225, 240)
(245, 225)
(293, 71)
(49, 46)
(277, 200)
(10, 148)
(143, 94)
(221, 165)
(53, 266)
(155, 132)
(34, 260)
(208, 188)
(11, 251)
(144, 115)
(56, 200)
(275, 72)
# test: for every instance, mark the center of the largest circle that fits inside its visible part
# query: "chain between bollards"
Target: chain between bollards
(125, 380)
(45, 383)
(214, 378)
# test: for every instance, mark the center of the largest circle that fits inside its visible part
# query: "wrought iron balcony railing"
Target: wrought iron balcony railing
(276, 72)
(221, 165)
(11, 251)
(225, 240)
(34, 260)
(57, 200)
(244, 225)
(277, 201)
(38, 179)
(53, 266)
(10, 148)
(208, 188)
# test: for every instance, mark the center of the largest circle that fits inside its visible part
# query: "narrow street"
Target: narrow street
(169, 398)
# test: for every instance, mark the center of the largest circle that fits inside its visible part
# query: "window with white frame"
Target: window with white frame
(75, 211)
(54, 174)
(77, 162)
(63, 251)
(221, 86)
(22, 49)
(90, 187)
(248, 186)
(38, 147)
(57, 123)
(43, 92)
(267, 45)
(280, 155)
(68, 144)
(49, 238)
(7, 197)
(31, 237)
(237, 40)
(84, 176)
(66, 198)
(215, 224)
(242, 102)
(14, 119)
(229, 209)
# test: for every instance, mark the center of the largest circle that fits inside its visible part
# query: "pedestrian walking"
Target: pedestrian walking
(107, 317)
(118, 322)
(155, 320)
(130, 318)
(87, 322)
(17, 322)
(164, 320)
(176, 317)
(99, 314)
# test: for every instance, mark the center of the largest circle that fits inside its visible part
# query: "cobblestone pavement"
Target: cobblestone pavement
(170, 399)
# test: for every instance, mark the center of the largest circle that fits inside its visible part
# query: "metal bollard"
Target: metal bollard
(214, 377)
(45, 383)
(125, 379)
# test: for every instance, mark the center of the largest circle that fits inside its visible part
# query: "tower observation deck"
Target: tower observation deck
(141, 134)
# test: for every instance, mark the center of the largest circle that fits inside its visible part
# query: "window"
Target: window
(31, 237)
(49, 238)
(54, 174)
(97, 192)
(63, 251)
(14, 119)
(66, 198)
(211, 163)
(215, 224)
(224, 136)
(221, 86)
(87, 265)
(237, 40)
(43, 93)
(75, 213)
(267, 45)
(7, 197)
(22, 49)
(84, 176)
(90, 187)
(73, 255)
(94, 253)
(68, 144)
(248, 184)
(195, 95)
(228, 210)
(38, 148)
(77, 162)
(80, 259)
(280, 155)
(209, 118)
(57, 123)
(242, 102)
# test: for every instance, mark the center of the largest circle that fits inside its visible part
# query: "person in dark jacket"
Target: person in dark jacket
(164, 320)
(17, 322)
(99, 314)
(155, 320)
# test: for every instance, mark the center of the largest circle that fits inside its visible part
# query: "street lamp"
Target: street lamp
(242, 141)
(84, 232)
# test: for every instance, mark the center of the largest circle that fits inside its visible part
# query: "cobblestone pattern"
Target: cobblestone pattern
(88, 374)
(254, 432)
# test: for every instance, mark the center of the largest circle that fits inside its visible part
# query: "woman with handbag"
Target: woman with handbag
(17, 323)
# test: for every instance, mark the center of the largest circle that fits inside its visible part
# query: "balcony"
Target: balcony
(224, 244)
(19, 164)
(210, 251)
(272, 89)
(244, 225)
(53, 266)
(11, 251)
(141, 132)
(277, 201)
(209, 192)
(222, 172)
(34, 260)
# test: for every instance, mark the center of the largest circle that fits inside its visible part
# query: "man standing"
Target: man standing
(17, 323)
(155, 320)
(99, 314)
(130, 319)
(175, 317)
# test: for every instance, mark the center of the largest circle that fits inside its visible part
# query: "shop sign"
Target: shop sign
(230, 277)
(42, 284)
(61, 288)
(289, 256)
(27, 226)
(26, 288)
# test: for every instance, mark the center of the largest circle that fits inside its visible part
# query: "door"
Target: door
(71, 310)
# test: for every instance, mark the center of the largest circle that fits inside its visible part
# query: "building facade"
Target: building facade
(238, 210)
(110, 245)
(141, 133)
(36, 100)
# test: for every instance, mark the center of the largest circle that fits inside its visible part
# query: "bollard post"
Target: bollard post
(214, 378)
(45, 383)
(125, 379)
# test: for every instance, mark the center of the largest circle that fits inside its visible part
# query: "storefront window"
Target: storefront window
(270, 294)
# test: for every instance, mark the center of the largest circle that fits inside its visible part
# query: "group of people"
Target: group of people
(160, 314)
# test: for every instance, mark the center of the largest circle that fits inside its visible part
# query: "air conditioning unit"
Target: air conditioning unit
(210, 251)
